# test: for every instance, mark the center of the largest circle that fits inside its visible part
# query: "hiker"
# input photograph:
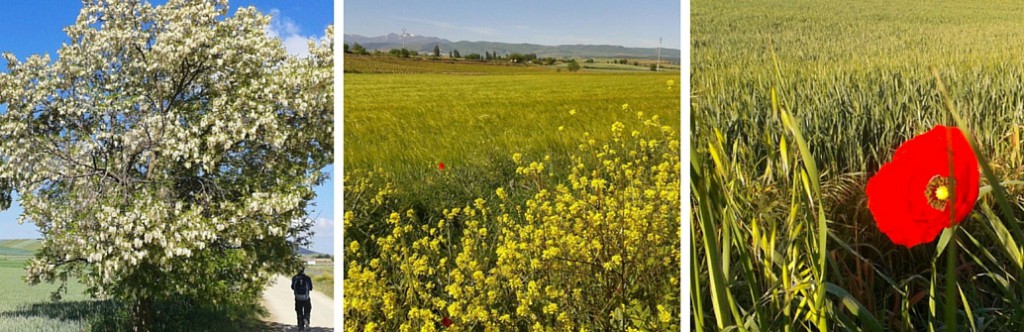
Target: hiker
(301, 286)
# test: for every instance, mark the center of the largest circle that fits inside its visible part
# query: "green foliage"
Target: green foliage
(522, 58)
(402, 53)
(573, 66)
(398, 65)
(359, 49)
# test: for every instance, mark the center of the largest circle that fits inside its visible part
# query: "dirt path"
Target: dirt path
(279, 301)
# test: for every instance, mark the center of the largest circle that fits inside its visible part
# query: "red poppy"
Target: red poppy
(440, 166)
(911, 196)
(446, 322)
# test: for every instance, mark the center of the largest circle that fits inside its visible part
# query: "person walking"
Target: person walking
(301, 286)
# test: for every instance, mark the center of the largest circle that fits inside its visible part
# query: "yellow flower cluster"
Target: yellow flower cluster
(597, 251)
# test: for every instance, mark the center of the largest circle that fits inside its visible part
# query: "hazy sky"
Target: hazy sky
(36, 27)
(626, 23)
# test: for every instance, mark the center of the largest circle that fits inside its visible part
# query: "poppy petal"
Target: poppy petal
(902, 195)
(886, 199)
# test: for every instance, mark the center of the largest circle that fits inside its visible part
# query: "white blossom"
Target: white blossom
(166, 140)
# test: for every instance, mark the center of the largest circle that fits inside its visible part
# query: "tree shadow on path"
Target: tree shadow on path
(278, 327)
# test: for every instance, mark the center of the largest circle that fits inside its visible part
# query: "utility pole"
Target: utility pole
(658, 66)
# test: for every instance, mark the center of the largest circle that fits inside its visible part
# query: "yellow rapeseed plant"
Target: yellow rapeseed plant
(596, 250)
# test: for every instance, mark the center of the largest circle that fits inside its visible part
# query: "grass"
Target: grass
(32, 308)
(407, 124)
(602, 65)
(18, 249)
(29, 308)
(323, 278)
(795, 106)
(448, 256)
(29, 245)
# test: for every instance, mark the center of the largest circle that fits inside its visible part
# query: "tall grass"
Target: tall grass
(779, 247)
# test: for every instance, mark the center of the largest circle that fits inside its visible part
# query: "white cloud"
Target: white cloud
(284, 28)
(323, 237)
(449, 26)
(323, 234)
(297, 45)
(323, 225)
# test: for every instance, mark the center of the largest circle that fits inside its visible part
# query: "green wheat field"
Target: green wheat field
(795, 104)
(556, 208)
(30, 308)
(407, 124)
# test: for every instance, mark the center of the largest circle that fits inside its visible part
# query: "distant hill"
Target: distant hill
(306, 252)
(21, 247)
(426, 44)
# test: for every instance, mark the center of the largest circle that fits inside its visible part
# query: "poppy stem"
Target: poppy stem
(951, 284)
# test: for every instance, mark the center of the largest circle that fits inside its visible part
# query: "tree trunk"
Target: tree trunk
(142, 315)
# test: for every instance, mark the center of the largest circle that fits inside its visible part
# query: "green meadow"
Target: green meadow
(30, 308)
(34, 308)
(323, 277)
(406, 125)
(795, 106)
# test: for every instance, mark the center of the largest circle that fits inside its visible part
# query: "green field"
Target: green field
(29, 308)
(32, 308)
(323, 277)
(555, 185)
(857, 79)
(407, 124)
(27, 245)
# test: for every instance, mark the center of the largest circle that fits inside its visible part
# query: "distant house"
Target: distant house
(320, 261)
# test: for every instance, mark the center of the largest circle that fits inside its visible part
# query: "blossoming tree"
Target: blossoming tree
(168, 151)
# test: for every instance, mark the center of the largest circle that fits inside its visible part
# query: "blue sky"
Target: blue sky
(36, 27)
(627, 23)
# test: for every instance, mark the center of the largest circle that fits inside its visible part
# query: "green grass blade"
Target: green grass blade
(967, 310)
(717, 281)
(997, 189)
(869, 322)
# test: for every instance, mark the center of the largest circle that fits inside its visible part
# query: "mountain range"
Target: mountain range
(426, 44)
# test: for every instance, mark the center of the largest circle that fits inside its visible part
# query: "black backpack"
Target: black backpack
(301, 287)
